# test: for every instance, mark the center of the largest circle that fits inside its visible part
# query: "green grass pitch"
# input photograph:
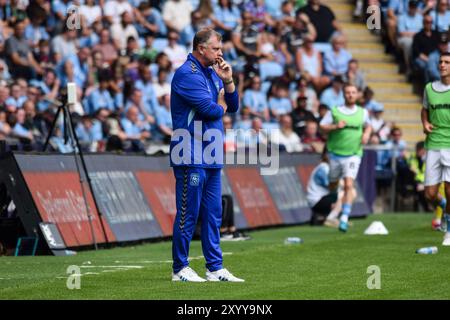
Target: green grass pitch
(328, 265)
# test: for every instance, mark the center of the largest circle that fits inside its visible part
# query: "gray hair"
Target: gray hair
(203, 36)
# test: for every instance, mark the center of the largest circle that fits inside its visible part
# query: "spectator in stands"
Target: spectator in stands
(301, 115)
(256, 136)
(395, 9)
(408, 25)
(334, 95)
(417, 166)
(86, 134)
(123, 30)
(288, 140)
(19, 130)
(336, 61)
(149, 20)
(245, 119)
(226, 18)
(19, 55)
(424, 42)
(246, 38)
(64, 44)
(354, 75)
(101, 97)
(442, 18)
(312, 142)
(397, 148)
(148, 51)
(323, 20)
(177, 16)
(369, 102)
(379, 126)
(309, 64)
(433, 59)
(16, 99)
(80, 62)
(135, 130)
(255, 100)
(294, 38)
(146, 85)
(304, 89)
(5, 129)
(279, 104)
(229, 139)
(35, 31)
(323, 109)
(136, 99)
(261, 18)
(106, 47)
(42, 54)
(50, 88)
(161, 86)
(91, 12)
(163, 132)
(113, 10)
(200, 19)
(176, 52)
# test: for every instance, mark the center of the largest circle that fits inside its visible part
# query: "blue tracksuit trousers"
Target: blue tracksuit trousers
(198, 192)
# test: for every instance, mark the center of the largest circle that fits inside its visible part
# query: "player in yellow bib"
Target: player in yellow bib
(436, 125)
(348, 129)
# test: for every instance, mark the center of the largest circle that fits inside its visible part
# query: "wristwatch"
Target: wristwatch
(228, 81)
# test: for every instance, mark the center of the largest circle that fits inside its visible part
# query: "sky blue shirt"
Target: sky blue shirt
(331, 99)
(336, 63)
(16, 102)
(229, 18)
(406, 23)
(148, 91)
(280, 105)
(35, 34)
(100, 99)
(443, 21)
(255, 100)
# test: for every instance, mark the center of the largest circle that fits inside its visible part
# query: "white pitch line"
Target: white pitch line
(128, 267)
(171, 261)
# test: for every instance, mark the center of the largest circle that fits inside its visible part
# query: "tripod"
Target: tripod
(69, 133)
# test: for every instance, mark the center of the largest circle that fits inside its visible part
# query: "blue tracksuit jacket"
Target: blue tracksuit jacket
(197, 170)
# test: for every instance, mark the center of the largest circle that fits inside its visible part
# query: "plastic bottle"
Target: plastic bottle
(293, 240)
(427, 250)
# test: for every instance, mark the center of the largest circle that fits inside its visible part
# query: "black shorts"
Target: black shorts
(323, 207)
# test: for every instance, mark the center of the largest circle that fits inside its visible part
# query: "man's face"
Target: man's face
(19, 30)
(350, 94)
(212, 51)
(444, 66)
(428, 23)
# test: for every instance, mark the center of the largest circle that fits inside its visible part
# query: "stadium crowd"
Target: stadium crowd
(289, 59)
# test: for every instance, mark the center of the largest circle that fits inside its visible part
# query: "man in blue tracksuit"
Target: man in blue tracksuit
(202, 91)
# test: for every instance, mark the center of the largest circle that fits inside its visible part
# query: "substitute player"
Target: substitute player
(436, 125)
(348, 129)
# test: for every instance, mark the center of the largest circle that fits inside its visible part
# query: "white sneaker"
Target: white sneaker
(222, 275)
(446, 241)
(188, 275)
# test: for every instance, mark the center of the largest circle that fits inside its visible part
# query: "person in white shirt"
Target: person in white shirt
(286, 136)
(120, 32)
(176, 52)
(114, 9)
